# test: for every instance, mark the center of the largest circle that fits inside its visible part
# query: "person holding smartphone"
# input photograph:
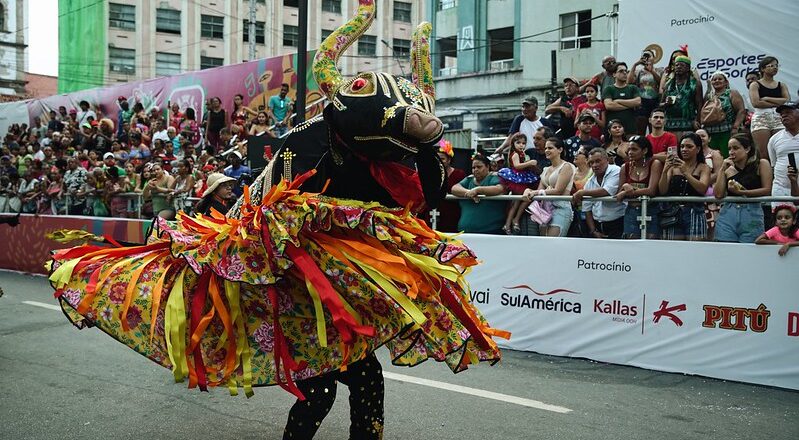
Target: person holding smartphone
(782, 146)
(646, 77)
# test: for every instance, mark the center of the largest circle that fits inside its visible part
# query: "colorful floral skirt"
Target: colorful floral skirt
(300, 285)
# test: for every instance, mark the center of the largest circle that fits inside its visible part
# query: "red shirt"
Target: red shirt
(661, 143)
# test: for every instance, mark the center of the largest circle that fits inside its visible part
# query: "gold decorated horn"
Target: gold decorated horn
(421, 67)
(324, 64)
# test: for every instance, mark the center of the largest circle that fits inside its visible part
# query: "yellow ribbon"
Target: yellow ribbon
(61, 276)
(233, 295)
(393, 292)
(318, 312)
(175, 328)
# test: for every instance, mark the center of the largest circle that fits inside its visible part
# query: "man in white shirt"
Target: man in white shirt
(526, 123)
(85, 113)
(603, 219)
(784, 143)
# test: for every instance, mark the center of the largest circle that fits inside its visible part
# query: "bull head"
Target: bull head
(381, 116)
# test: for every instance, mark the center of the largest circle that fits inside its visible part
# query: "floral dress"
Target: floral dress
(517, 180)
(299, 285)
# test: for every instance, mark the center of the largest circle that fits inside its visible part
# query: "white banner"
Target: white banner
(721, 35)
(13, 113)
(729, 311)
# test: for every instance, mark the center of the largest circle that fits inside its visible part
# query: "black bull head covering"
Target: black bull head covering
(374, 126)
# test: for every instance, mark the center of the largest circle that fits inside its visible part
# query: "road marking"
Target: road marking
(42, 305)
(477, 392)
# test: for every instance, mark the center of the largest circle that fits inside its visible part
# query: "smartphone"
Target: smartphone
(792, 160)
(670, 151)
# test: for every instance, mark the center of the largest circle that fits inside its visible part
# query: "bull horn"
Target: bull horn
(324, 65)
(420, 59)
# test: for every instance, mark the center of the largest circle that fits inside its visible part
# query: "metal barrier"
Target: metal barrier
(644, 200)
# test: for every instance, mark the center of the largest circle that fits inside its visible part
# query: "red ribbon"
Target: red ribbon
(401, 182)
(197, 307)
(281, 351)
(455, 306)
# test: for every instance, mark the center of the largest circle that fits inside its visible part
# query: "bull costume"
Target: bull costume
(318, 264)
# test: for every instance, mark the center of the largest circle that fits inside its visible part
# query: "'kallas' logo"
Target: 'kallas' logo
(550, 304)
(622, 313)
(735, 318)
(669, 312)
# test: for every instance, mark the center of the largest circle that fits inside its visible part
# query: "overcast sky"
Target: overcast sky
(43, 37)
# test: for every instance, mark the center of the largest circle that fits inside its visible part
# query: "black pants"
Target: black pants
(613, 228)
(76, 209)
(365, 381)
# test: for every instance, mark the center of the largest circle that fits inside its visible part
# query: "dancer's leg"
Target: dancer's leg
(365, 381)
(306, 416)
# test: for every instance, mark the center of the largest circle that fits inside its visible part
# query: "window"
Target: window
(122, 60)
(260, 31)
(2, 18)
(402, 12)
(167, 20)
(209, 62)
(331, 6)
(402, 47)
(326, 33)
(500, 49)
(291, 35)
(367, 45)
(121, 16)
(292, 3)
(447, 4)
(575, 32)
(212, 26)
(167, 64)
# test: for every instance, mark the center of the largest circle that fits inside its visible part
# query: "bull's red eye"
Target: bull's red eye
(358, 84)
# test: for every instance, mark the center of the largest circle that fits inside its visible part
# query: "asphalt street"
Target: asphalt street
(58, 382)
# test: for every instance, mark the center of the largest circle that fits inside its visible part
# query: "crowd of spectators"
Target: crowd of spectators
(632, 131)
(131, 161)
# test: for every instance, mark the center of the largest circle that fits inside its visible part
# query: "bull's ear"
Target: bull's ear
(432, 176)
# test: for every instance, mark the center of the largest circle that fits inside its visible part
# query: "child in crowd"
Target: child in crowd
(517, 178)
(785, 231)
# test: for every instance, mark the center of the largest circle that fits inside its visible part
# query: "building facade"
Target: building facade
(13, 32)
(490, 54)
(147, 38)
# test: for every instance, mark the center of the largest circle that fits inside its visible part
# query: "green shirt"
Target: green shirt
(486, 217)
(626, 116)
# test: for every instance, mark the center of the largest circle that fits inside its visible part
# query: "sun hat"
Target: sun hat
(214, 180)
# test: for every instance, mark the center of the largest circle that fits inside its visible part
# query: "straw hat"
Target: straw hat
(214, 180)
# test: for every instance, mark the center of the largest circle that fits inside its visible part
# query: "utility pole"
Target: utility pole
(251, 25)
(302, 61)
(394, 54)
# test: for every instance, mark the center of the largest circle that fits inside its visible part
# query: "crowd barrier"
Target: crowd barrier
(728, 311)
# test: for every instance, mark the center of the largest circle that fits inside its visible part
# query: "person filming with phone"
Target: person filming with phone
(783, 149)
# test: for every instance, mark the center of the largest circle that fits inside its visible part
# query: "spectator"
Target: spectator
(767, 94)
(157, 189)
(134, 179)
(713, 159)
(9, 196)
(782, 144)
(480, 216)
(6, 168)
(236, 169)
(582, 174)
(138, 150)
(785, 232)
(74, 179)
(527, 123)
(449, 211)
(616, 145)
(54, 123)
(218, 195)
(660, 139)
(639, 176)
(537, 153)
(742, 174)
(645, 76)
(115, 185)
(585, 125)
(241, 113)
(175, 116)
(685, 174)
(734, 112)
(173, 140)
(606, 77)
(682, 98)
(32, 201)
(182, 186)
(215, 122)
(602, 219)
(189, 129)
(622, 99)
(85, 113)
(109, 161)
(280, 110)
(595, 108)
(557, 180)
(561, 112)
(123, 115)
(517, 178)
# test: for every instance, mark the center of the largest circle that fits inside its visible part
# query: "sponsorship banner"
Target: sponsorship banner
(25, 248)
(256, 80)
(721, 35)
(729, 311)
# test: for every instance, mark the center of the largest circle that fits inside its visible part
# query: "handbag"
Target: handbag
(670, 216)
(540, 212)
(712, 112)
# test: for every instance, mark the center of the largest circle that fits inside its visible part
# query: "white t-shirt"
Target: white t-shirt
(528, 128)
(779, 146)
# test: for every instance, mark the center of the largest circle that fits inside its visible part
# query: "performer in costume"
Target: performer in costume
(317, 265)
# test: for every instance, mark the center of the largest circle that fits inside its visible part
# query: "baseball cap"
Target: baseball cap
(572, 79)
(530, 100)
(121, 98)
(790, 105)
(236, 153)
(108, 155)
(586, 116)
